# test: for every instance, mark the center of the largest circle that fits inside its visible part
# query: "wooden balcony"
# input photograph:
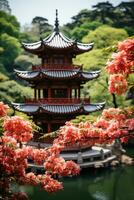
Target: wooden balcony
(56, 67)
(58, 101)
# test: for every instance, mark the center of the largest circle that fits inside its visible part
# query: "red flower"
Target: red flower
(130, 124)
(113, 113)
(3, 109)
(18, 128)
(50, 184)
(117, 84)
(126, 45)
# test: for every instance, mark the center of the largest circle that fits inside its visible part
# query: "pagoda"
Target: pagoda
(57, 82)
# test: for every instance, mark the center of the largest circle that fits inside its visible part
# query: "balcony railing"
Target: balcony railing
(60, 101)
(56, 67)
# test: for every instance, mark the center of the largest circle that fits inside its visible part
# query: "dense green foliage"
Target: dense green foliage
(11, 91)
(10, 49)
(105, 36)
(120, 16)
(42, 24)
(9, 43)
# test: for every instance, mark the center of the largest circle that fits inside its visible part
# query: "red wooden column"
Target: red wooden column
(68, 93)
(49, 127)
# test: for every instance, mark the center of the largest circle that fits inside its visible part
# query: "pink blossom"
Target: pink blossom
(117, 84)
(3, 109)
(18, 128)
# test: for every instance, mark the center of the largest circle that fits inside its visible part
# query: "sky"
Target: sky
(26, 10)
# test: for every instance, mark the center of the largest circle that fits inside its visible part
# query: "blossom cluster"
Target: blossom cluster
(14, 158)
(3, 109)
(121, 65)
(113, 123)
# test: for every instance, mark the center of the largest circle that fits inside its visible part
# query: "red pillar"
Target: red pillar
(49, 127)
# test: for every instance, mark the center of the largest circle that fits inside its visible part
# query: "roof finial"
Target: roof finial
(56, 22)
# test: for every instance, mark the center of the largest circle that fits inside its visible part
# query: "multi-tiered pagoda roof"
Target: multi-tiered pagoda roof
(57, 82)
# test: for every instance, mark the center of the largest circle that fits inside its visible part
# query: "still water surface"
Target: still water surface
(115, 184)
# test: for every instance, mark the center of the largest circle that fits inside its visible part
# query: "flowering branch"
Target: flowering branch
(121, 66)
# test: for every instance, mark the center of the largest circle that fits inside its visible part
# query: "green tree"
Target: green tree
(77, 20)
(25, 62)
(10, 19)
(125, 14)
(79, 33)
(42, 24)
(11, 48)
(83, 30)
(7, 27)
(4, 5)
(105, 36)
(11, 91)
(103, 12)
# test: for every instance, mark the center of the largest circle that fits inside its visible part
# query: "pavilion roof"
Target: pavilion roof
(57, 40)
(58, 109)
(57, 74)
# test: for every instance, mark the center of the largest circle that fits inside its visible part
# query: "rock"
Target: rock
(127, 160)
(98, 165)
(115, 163)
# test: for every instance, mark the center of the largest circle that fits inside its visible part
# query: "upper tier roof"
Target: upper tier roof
(57, 40)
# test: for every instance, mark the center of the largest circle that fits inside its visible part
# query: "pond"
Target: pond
(106, 184)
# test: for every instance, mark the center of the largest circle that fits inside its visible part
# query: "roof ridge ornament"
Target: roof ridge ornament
(56, 29)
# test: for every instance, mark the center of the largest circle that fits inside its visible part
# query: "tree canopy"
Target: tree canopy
(105, 36)
(4, 5)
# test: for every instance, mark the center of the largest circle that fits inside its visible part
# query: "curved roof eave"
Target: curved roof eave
(94, 107)
(57, 40)
(27, 74)
(84, 47)
(58, 109)
(89, 75)
(58, 74)
(22, 107)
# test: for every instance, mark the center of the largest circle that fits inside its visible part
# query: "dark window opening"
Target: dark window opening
(55, 127)
(59, 93)
(45, 93)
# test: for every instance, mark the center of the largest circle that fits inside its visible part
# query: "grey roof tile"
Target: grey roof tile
(58, 109)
